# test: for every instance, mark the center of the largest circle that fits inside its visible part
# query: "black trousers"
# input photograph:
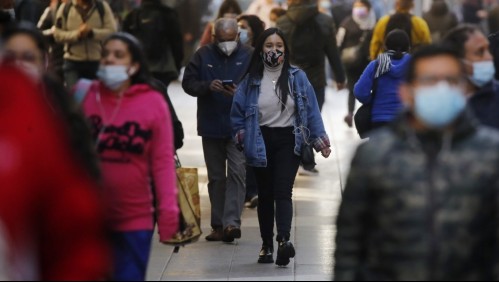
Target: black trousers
(275, 184)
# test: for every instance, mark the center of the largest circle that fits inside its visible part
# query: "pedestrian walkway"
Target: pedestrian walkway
(316, 200)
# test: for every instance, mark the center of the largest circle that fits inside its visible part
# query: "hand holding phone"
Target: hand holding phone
(226, 83)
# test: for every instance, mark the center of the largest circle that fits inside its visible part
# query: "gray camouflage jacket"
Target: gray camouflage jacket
(421, 207)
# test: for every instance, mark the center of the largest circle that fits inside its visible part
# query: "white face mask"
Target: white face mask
(113, 76)
(228, 47)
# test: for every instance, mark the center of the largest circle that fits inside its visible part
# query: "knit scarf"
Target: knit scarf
(384, 63)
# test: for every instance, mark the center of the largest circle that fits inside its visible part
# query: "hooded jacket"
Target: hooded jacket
(134, 141)
(421, 207)
(387, 103)
(308, 46)
(89, 48)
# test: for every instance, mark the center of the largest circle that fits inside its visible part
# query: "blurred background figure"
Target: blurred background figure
(493, 19)
(7, 13)
(416, 27)
(229, 9)
(380, 82)
(473, 49)
(275, 14)
(26, 48)
(440, 19)
(56, 51)
(29, 10)
(51, 216)
(422, 173)
(311, 36)
(353, 38)
(261, 9)
(340, 10)
(190, 13)
(158, 29)
(81, 25)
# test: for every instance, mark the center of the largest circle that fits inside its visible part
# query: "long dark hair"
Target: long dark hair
(255, 69)
(135, 48)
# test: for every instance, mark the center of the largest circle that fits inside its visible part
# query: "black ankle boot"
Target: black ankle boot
(266, 254)
(285, 251)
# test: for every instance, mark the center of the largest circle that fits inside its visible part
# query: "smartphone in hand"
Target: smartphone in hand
(226, 83)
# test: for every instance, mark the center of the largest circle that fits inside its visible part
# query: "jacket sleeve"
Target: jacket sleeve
(192, 83)
(238, 112)
(62, 35)
(164, 173)
(318, 135)
(378, 37)
(109, 24)
(363, 87)
(352, 221)
(333, 54)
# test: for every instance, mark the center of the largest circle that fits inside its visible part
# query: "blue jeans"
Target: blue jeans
(131, 254)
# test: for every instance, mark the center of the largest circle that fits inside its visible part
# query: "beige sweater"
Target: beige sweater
(87, 49)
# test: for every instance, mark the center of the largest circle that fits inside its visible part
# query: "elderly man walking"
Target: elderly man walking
(212, 76)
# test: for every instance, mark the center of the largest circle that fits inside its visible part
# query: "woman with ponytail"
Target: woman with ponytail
(382, 78)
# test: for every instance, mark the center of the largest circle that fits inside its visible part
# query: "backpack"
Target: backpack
(148, 25)
(99, 6)
(307, 43)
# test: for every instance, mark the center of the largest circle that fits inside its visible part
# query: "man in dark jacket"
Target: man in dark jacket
(473, 49)
(421, 200)
(157, 27)
(224, 60)
(311, 37)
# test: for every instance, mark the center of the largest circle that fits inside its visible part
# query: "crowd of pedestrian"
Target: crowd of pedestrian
(99, 133)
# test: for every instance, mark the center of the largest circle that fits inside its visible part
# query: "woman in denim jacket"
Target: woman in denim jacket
(274, 114)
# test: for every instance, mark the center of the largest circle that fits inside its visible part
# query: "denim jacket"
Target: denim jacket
(308, 124)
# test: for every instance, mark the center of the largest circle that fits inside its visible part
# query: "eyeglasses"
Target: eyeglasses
(428, 80)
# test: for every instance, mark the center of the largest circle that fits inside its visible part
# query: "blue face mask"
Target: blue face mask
(439, 105)
(483, 72)
(244, 36)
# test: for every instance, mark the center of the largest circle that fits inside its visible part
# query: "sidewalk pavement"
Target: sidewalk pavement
(316, 200)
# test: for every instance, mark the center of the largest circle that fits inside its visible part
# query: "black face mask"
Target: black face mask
(273, 58)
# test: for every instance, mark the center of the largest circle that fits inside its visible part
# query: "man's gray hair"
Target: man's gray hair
(224, 24)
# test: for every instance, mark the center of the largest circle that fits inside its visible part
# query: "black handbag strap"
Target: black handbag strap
(374, 88)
